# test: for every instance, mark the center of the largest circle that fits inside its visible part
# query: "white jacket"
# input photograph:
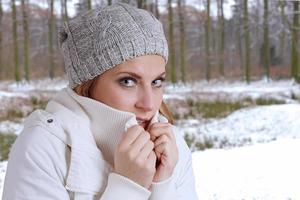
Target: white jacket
(60, 155)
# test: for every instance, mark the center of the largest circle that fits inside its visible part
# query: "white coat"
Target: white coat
(60, 155)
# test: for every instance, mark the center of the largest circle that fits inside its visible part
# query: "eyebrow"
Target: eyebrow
(137, 76)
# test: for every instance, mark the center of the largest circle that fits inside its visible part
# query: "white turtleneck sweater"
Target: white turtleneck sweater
(107, 124)
(69, 144)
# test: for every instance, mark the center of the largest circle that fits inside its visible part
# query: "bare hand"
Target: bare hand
(165, 149)
(134, 157)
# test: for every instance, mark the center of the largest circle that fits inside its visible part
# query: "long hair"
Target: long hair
(84, 90)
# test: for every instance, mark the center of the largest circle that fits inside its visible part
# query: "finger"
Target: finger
(158, 124)
(158, 131)
(146, 150)
(152, 157)
(131, 134)
(141, 141)
(162, 149)
(160, 140)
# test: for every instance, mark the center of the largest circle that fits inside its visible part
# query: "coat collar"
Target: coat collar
(93, 131)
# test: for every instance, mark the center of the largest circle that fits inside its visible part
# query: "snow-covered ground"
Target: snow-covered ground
(255, 148)
(247, 126)
(269, 171)
(235, 90)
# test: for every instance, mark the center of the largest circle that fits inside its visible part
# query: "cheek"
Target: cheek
(158, 99)
(121, 100)
(117, 97)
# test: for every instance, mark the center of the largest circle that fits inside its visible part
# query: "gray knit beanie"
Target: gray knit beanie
(102, 38)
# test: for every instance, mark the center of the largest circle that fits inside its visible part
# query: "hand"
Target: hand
(134, 157)
(165, 149)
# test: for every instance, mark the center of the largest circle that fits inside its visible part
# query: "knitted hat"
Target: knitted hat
(102, 38)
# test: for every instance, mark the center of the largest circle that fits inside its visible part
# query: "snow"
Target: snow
(41, 84)
(11, 127)
(10, 89)
(250, 125)
(267, 171)
(235, 90)
(12, 94)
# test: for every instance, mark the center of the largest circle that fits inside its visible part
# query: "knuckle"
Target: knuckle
(164, 138)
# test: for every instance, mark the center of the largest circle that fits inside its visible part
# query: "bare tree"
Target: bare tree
(89, 2)
(1, 14)
(183, 63)
(295, 38)
(221, 32)
(247, 42)
(50, 37)
(282, 5)
(266, 48)
(172, 43)
(207, 39)
(26, 38)
(15, 40)
(156, 9)
(140, 3)
(64, 10)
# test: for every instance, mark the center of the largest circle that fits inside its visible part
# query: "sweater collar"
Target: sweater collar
(91, 128)
(106, 124)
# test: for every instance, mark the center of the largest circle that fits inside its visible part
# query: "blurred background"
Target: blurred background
(232, 85)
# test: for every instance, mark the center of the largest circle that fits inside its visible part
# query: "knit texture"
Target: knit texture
(102, 38)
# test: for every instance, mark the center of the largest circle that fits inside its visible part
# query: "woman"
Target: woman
(108, 135)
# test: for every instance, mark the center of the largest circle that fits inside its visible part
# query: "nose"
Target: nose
(145, 99)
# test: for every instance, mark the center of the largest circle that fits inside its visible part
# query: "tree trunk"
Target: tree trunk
(183, 63)
(221, 36)
(295, 27)
(15, 40)
(89, 4)
(109, 2)
(257, 28)
(207, 40)
(247, 42)
(140, 3)
(266, 48)
(26, 38)
(282, 35)
(1, 61)
(156, 10)
(50, 38)
(64, 11)
(172, 43)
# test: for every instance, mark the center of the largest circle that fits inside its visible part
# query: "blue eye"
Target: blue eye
(127, 82)
(158, 82)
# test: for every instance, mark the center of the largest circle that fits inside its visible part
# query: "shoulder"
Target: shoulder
(38, 146)
(37, 163)
(41, 124)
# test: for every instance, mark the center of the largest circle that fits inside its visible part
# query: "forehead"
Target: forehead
(144, 65)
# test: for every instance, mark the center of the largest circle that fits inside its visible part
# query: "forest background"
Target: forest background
(208, 39)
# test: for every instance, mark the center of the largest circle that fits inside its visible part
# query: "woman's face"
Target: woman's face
(134, 86)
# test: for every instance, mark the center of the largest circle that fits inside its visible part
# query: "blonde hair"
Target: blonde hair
(84, 90)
